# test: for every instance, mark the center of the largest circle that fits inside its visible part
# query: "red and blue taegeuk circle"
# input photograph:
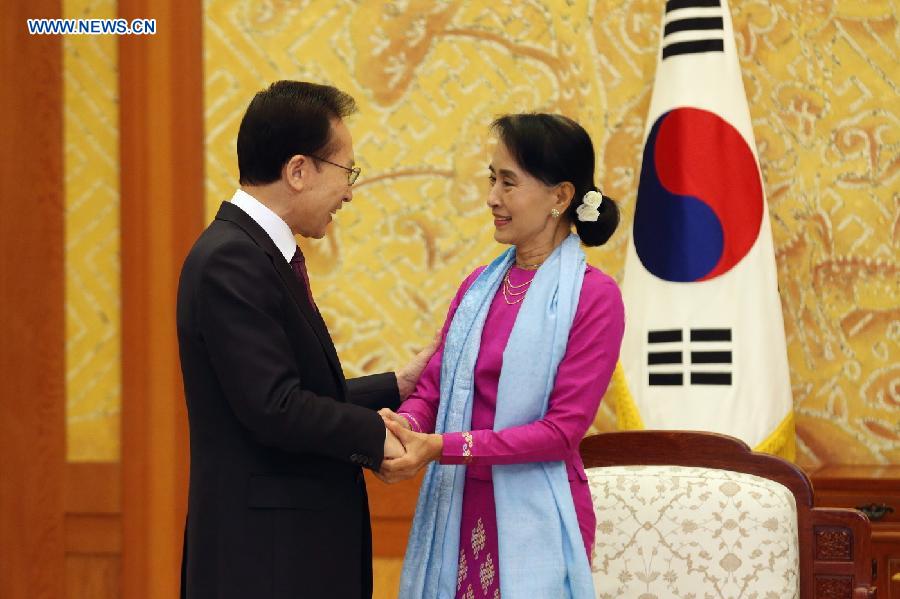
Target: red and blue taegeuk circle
(700, 198)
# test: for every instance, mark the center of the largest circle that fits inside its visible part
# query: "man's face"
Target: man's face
(325, 186)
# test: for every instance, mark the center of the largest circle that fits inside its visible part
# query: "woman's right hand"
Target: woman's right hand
(388, 414)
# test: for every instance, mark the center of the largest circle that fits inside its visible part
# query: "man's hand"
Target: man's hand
(393, 448)
(420, 450)
(408, 376)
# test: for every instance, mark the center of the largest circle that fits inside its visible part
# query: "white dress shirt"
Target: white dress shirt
(271, 223)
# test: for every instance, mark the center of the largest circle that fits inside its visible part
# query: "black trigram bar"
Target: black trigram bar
(677, 4)
(697, 24)
(666, 379)
(710, 334)
(693, 47)
(710, 357)
(710, 378)
(667, 336)
(664, 357)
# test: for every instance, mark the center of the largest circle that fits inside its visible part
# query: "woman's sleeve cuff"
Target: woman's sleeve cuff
(457, 448)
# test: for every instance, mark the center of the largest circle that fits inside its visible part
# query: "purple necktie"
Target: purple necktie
(298, 263)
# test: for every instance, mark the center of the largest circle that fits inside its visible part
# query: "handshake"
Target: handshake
(405, 451)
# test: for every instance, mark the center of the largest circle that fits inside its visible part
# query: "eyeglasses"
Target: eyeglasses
(352, 172)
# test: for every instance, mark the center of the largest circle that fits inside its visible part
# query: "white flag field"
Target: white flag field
(704, 344)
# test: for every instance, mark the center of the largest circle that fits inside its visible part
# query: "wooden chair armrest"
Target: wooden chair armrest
(864, 593)
(841, 553)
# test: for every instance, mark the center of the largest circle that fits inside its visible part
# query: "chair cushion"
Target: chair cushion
(689, 532)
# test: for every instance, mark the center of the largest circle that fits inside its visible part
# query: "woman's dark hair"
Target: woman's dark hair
(288, 118)
(554, 149)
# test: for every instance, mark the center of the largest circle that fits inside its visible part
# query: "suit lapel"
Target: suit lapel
(312, 315)
(237, 216)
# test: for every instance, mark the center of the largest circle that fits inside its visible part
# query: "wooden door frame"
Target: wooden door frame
(32, 325)
(162, 212)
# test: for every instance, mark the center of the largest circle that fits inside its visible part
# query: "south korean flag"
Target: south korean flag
(704, 343)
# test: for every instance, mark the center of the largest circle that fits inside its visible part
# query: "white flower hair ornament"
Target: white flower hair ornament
(588, 211)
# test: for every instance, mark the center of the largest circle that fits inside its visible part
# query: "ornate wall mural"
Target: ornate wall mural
(93, 331)
(822, 81)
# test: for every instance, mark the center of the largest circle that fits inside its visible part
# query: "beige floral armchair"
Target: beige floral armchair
(698, 515)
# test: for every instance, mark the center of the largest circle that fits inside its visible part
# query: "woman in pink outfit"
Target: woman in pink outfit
(541, 187)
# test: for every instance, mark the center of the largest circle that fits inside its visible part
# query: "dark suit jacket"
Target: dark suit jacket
(277, 505)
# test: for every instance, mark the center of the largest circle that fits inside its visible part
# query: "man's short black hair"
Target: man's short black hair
(288, 118)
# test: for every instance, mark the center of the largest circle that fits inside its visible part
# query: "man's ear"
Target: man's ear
(296, 171)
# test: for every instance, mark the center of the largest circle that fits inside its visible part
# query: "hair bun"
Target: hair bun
(597, 230)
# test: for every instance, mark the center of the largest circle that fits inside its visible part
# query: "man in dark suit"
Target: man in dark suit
(277, 507)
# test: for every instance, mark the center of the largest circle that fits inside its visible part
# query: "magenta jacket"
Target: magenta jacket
(583, 375)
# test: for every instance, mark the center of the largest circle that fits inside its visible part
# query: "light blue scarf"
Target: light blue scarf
(541, 548)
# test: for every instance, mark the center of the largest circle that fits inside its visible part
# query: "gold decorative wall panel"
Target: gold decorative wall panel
(822, 82)
(93, 347)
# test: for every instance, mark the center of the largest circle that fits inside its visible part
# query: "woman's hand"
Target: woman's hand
(388, 415)
(421, 449)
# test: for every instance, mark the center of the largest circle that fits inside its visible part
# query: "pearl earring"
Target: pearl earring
(554, 213)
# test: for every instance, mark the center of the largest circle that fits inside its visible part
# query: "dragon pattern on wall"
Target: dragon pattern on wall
(822, 81)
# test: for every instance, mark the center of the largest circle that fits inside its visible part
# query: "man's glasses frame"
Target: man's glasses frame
(352, 172)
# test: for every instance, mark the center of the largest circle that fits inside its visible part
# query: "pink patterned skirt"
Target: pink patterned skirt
(478, 573)
(478, 576)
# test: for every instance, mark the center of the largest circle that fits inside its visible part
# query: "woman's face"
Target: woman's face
(519, 202)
